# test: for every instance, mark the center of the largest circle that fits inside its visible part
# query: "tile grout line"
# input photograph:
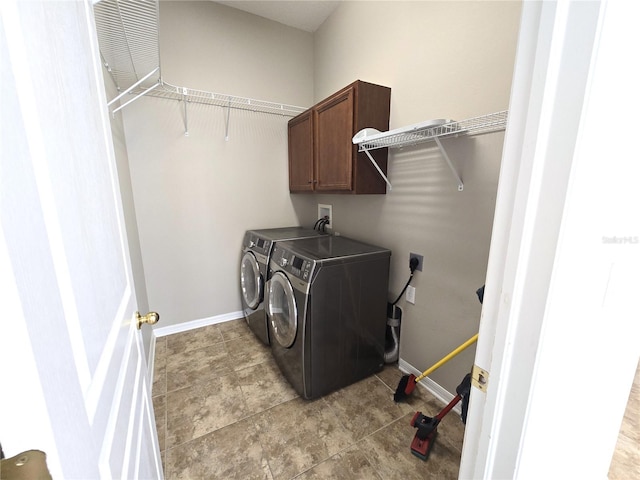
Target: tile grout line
(249, 416)
(360, 440)
(255, 426)
(355, 443)
(212, 431)
(222, 342)
(253, 417)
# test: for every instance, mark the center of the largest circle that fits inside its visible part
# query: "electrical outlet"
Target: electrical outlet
(411, 294)
(420, 260)
(326, 211)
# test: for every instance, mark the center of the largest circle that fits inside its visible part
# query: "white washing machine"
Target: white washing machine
(254, 271)
(327, 311)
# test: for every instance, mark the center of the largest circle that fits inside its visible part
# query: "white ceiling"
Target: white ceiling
(305, 15)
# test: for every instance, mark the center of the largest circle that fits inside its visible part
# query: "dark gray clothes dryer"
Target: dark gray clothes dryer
(327, 311)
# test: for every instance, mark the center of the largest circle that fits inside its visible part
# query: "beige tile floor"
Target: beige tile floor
(626, 458)
(224, 411)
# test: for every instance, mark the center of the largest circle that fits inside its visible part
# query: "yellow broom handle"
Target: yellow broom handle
(462, 347)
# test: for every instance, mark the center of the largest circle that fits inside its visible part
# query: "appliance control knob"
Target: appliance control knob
(252, 244)
(283, 262)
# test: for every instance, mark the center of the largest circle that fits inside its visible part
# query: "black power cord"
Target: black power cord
(321, 224)
(413, 264)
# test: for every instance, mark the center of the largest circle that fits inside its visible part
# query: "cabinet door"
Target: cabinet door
(301, 153)
(333, 127)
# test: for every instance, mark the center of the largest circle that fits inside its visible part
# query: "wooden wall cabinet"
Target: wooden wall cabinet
(322, 157)
(301, 153)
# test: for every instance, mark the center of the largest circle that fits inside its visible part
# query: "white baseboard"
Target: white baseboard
(193, 324)
(432, 387)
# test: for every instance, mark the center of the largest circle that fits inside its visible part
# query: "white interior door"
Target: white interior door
(74, 376)
(559, 330)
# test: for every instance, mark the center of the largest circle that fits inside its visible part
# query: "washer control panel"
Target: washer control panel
(257, 244)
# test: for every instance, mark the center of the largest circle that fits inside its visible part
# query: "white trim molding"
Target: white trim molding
(437, 390)
(193, 324)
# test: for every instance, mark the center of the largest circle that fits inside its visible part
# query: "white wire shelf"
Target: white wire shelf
(128, 35)
(128, 39)
(427, 132)
(173, 92)
(431, 131)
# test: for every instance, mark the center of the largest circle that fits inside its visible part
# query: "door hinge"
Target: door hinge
(480, 378)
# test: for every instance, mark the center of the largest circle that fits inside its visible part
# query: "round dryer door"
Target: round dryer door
(282, 311)
(250, 281)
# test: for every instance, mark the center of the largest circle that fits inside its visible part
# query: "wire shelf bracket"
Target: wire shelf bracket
(186, 118)
(375, 164)
(443, 152)
(430, 131)
(226, 127)
(138, 95)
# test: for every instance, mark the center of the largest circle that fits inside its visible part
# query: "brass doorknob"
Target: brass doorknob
(150, 319)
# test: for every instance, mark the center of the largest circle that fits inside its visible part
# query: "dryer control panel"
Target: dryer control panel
(295, 265)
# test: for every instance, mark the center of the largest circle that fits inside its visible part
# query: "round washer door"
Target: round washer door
(250, 281)
(282, 311)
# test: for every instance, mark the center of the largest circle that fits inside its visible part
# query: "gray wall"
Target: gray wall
(441, 60)
(195, 196)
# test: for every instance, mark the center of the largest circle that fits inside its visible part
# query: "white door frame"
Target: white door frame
(559, 328)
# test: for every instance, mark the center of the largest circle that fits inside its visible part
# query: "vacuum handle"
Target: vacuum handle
(462, 347)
